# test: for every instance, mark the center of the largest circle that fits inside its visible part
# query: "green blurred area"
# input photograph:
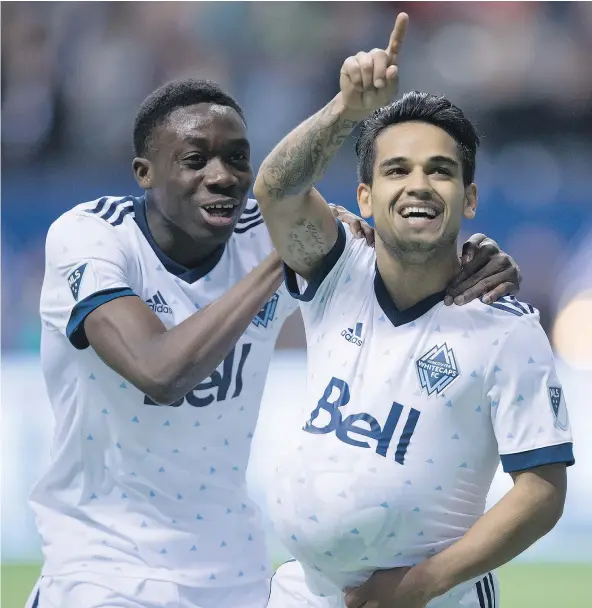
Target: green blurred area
(522, 585)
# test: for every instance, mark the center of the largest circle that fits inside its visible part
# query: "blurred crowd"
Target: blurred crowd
(74, 73)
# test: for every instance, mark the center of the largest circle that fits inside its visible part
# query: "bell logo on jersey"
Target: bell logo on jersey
(346, 427)
(265, 315)
(74, 280)
(158, 304)
(559, 412)
(353, 334)
(217, 386)
(437, 369)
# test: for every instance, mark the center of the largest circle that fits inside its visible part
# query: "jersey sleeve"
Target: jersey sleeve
(526, 399)
(85, 267)
(317, 296)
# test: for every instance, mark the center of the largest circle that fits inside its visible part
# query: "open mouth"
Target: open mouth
(419, 212)
(422, 217)
(219, 214)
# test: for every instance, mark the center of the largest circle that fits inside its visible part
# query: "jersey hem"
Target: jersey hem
(327, 265)
(553, 454)
(164, 575)
(75, 328)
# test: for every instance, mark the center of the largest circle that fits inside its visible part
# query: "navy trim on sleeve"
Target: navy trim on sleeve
(75, 327)
(552, 454)
(325, 268)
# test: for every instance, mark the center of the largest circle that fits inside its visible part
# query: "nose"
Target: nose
(417, 184)
(217, 174)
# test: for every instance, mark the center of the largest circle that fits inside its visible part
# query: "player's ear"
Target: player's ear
(142, 168)
(365, 200)
(470, 204)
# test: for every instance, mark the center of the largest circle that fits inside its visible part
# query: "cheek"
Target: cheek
(184, 180)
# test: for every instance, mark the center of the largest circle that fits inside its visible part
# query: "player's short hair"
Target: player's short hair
(167, 98)
(421, 107)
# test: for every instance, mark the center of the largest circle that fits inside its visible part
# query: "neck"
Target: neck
(176, 244)
(410, 278)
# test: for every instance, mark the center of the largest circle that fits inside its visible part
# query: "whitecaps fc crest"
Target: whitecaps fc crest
(437, 369)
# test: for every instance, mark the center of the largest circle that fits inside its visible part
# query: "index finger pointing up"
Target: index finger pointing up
(397, 36)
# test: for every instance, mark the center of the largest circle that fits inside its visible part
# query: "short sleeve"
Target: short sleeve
(528, 409)
(85, 267)
(316, 296)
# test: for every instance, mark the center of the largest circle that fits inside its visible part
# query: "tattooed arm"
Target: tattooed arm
(301, 224)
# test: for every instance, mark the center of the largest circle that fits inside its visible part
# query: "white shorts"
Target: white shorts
(98, 591)
(289, 590)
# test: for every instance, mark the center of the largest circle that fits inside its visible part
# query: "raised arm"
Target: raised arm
(300, 223)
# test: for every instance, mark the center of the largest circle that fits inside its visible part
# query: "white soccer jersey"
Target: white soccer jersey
(408, 414)
(136, 488)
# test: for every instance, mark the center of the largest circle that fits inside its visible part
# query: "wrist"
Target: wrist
(346, 113)
(435, 577)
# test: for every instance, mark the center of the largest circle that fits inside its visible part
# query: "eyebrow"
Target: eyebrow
(401, 160)
(242, 142)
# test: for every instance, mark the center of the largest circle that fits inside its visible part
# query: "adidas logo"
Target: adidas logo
(353, 334)
(158, 304)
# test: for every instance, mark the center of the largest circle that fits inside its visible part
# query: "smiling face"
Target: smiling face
(417, 196)
(198, 170)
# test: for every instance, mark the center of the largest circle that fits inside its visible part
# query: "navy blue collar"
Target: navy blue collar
(400, 317)
(189, 275)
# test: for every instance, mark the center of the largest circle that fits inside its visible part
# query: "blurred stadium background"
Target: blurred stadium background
(73, 74)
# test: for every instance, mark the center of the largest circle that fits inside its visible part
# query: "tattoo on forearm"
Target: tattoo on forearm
(302, 157)
(306, 242)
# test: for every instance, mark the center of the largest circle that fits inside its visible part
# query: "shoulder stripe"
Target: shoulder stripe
(115, 205)
(512, 301)
(125, 211)
(514, 306)
(252, 210)
(243, 229)
(518, 313)
(244, 220)
(115, 211)
(99, 206)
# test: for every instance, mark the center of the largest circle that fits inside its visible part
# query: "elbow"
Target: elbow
(161, 392)
(261, 192)
(162, 387)
(555, 512)
(551, 511)
(170, 387)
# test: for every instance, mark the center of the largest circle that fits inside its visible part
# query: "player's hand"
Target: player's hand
(359, 228)
(398, 587)
(486, 272)
(369, 81)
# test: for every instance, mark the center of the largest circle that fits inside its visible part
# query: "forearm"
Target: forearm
(299, 220)
(187, 354)
(523, 516)
(300, 159)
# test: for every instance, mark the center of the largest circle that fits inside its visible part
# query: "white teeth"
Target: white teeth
(225, 206)
(407, 211)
